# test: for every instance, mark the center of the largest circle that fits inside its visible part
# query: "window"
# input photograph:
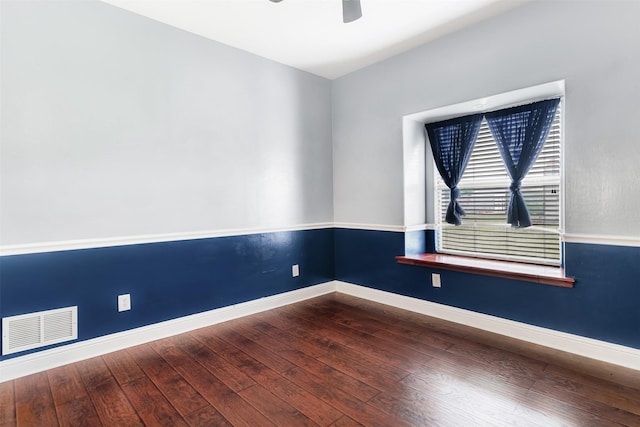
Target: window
(484, 195)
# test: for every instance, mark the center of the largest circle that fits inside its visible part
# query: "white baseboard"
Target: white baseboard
(587, 347)
(48, 359)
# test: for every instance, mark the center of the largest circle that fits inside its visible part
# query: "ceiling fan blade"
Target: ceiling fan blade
(351, 10)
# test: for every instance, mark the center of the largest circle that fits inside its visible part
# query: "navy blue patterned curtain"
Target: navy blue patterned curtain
(452, 142)
(520, 133)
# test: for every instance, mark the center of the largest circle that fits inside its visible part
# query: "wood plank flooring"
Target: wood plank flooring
(330, 361)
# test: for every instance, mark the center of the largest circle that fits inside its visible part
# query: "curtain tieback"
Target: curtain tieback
(515, 186)
(455, 193)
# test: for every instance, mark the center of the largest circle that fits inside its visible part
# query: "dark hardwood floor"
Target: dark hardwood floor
(331, 361)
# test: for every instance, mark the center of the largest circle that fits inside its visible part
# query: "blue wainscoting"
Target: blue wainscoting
(166, 280)
(604, 304)
(175, 279)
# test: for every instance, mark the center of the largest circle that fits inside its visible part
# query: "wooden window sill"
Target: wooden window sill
(504, 269)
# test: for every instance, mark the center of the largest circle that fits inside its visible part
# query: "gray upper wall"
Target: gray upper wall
(116, 125)
(592, 45)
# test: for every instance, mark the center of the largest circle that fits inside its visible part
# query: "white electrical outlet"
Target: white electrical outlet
(435, 280)
(295, 270)
(124, 302)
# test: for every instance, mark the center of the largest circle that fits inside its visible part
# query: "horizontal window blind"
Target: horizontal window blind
(484, 195)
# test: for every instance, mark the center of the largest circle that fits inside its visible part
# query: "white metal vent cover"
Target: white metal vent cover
(33, 330)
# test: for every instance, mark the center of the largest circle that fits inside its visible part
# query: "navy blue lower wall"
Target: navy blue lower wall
(604, 304)
(174, 279)
(166, 280)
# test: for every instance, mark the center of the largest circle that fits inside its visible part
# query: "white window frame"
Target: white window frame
(412, 122)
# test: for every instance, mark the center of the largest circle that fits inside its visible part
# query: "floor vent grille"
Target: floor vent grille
(33, 330)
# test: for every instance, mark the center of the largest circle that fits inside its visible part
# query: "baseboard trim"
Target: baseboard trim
(587, 347)
(58, 356)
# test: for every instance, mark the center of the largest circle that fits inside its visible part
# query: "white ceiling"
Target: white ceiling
(309, 34)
